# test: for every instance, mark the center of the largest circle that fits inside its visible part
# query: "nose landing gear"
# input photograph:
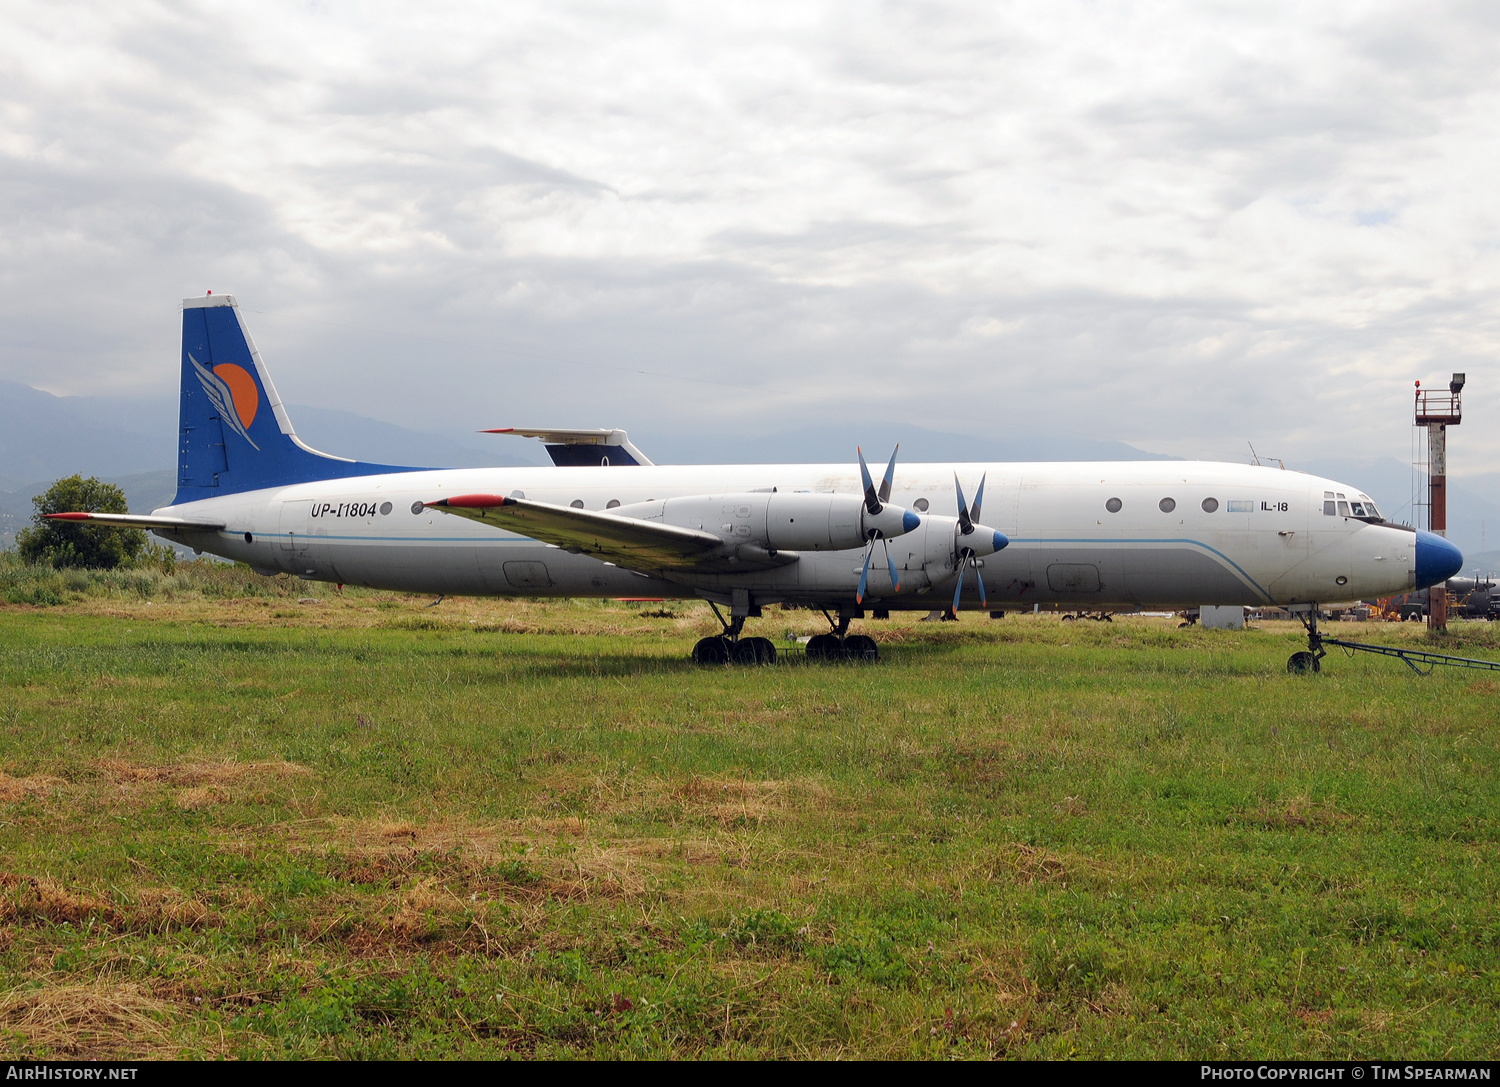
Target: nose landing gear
(1309, 659)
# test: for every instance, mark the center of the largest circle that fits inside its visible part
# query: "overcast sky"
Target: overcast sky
(1183, 226)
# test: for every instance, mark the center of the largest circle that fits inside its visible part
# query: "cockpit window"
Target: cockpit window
(1338, 504)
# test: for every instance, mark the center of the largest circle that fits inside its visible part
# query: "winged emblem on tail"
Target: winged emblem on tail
(219, 393)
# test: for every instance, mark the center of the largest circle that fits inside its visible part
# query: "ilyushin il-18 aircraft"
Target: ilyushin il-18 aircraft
(604, 521)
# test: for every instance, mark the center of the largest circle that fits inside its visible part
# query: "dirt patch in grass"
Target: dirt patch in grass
(29, 899)
(16, 789)
(1031, 864)
(201, 774)
(1297, 813)
(96, 1020)
(33, 899)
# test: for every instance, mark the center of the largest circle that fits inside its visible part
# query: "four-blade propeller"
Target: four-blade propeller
(971, 540)
(875, 504)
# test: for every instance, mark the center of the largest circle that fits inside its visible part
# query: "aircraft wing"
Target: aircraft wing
(139, 520)
(626, 541)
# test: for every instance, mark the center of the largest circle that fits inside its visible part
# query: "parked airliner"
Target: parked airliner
(604, 521)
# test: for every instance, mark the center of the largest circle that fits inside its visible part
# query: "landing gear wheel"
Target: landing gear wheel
(753, 651)
(1302, 662)
(861, 647)
(824, 647)
(765, 650)
(711, 651)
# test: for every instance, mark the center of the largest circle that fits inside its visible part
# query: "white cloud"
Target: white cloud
(1181, 225)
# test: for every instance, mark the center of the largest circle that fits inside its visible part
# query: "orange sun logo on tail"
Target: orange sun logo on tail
(232, 391)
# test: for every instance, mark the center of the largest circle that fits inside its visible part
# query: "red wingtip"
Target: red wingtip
(68, 516)
(474, 501)
(499, 430)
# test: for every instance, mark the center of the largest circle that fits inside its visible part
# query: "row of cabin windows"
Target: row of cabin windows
(1166, 505)
(1337, 504)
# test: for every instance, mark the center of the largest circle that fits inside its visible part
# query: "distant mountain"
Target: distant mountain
(46, 437)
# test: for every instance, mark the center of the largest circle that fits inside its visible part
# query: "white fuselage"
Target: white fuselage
(1267, 541)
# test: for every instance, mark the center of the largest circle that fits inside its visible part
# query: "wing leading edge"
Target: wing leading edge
(140, 520)
(625, 541)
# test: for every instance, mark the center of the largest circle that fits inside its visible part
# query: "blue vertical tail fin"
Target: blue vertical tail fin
(234, 433)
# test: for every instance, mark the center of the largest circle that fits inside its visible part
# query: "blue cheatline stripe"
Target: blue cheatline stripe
(1174, 540)
(228, 535)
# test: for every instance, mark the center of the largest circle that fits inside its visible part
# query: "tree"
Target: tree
(70, 543)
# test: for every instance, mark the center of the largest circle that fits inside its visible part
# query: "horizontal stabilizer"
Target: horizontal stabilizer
(581, 448)
(140, 520)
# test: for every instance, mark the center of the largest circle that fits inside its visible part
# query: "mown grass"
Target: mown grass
(247, 826)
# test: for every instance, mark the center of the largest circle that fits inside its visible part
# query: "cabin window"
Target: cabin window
(1358, 508)
(612, 503)
(1343, 509)
(1167, 505)
(1210, 505)
(1113, 505)
(920, 505)
(1370, 510)
(577, 503)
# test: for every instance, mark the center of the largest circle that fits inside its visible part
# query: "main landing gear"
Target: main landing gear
(730, 648)
(840, 645)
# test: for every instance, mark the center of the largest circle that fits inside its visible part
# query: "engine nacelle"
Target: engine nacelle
(946, 540)
(777, 521)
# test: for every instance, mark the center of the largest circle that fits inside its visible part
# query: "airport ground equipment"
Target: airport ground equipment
(1418, 660)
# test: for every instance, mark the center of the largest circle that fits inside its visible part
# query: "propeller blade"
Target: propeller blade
(891, 563)
(983, 602)
(872, 500)
(978, 497)
(958, 591)
(965, 523)
(890, 475)
(864, 575)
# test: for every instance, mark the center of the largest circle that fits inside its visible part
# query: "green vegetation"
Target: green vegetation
(156, 575)
(70, 544)
(245, 825)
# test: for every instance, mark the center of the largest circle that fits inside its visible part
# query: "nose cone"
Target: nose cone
(909, 521)
(1437, 559)
(1001, 541)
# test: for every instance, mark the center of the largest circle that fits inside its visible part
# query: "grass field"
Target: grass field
(232, 824)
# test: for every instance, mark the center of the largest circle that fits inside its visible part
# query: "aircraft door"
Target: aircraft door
(291, 551)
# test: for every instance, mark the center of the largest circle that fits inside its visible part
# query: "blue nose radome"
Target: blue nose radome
(909, 521)
(1437, 559)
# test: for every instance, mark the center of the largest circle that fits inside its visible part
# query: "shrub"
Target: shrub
(70, 543)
